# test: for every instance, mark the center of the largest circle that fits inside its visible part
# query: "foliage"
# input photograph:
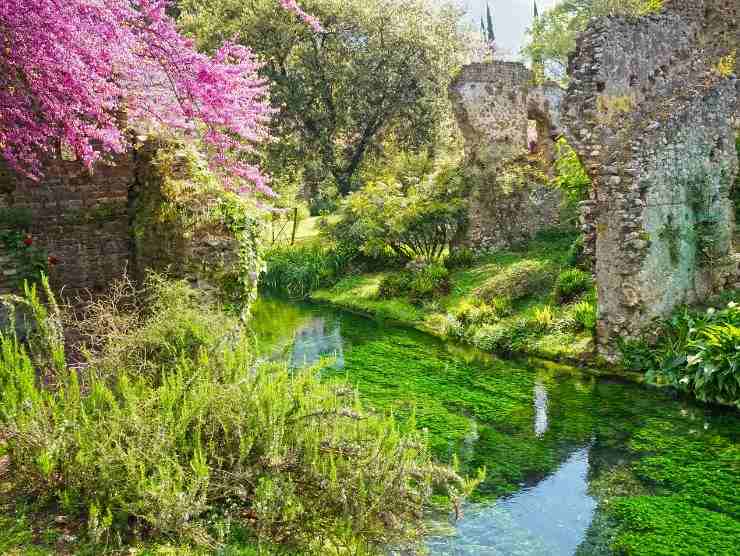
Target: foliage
(576, 253)
(553, 34)
(293, 458)
(186, 225)
(460, 257)
(423, 282)
(27, 259)
(570, 283)
(584, 313)
(570, 176)
(695, 352)
(416, 221)
(297, 270)
(519, 280)
(379, 68)
(72, 69)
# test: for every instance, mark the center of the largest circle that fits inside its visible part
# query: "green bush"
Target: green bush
(473, 314)
(576, 256)
(571, 283)
(517, 281)
(460, 257)
(424, 282)
(391, 217)
(695, 352)
(297, 270)
(205, 427)
(584, 313)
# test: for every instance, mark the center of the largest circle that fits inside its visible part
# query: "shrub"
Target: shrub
(518, 280)
(584, 313)
(301, 460)
(695, 352)
(542, 319)
(422, 283)
(570, 284)
(460, 257)
(470, 314)
(298, 270)
(410, 221)
(395, 284)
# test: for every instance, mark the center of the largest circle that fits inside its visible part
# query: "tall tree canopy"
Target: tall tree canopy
(378, 68)
(69, 69)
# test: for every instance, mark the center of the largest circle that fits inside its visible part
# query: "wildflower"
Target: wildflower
(693, 360)
(711, 311)
(28, 241)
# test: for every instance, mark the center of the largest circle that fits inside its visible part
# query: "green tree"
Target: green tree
(380, 68)
(553, 34)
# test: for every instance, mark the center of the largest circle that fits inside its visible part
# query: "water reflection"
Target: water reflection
(315, 340)
(540, 408)
(550, 518)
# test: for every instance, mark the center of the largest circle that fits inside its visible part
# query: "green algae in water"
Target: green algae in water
(575, 464)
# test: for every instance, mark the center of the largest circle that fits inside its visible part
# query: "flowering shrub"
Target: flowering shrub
(70, 69)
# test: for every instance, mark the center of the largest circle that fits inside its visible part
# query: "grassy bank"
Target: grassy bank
(480, 307)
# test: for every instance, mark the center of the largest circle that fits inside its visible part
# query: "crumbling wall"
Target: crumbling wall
(143, 211)
(651, 119)
(79, 218)
(493, 103)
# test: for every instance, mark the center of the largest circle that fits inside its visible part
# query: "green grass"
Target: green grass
(547, 254)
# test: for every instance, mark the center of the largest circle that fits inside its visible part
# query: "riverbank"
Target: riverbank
(535, 321)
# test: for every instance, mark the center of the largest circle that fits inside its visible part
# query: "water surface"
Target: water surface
(564, 451)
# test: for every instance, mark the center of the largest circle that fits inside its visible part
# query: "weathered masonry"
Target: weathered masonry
(494, 103)
(650, 111)
(146, 209)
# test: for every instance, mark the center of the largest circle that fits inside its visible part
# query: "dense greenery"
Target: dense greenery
(378, 70)
(503, 301)
(170, 427)
(415, 215)
(695, 351)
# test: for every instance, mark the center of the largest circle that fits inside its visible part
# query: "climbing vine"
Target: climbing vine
(26, 258)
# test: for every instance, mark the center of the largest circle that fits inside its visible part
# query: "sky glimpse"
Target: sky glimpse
(511, 18)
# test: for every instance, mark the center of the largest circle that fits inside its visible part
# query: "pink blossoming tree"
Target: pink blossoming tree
(70, 70)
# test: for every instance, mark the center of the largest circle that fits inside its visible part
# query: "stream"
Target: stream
(557, 444)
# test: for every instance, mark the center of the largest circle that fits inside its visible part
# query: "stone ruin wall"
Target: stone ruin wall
(652, 122)
(94, 226)
(493, 103)
(79, 218)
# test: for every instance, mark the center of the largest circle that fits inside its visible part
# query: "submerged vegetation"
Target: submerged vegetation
(653, 462)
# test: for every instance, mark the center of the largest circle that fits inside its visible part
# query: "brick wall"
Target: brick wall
(79, 218)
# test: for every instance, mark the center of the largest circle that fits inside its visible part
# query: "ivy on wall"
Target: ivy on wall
(27, 259)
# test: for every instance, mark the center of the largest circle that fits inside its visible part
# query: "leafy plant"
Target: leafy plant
(695, 352)
(417, 221)
(570, 283)
(423, 282)
(300, 461)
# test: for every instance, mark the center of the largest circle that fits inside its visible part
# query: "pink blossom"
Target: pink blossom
(74, 70)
